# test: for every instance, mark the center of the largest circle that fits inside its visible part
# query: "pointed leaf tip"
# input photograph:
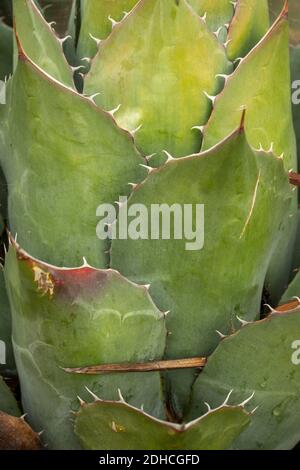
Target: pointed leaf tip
(242, 122)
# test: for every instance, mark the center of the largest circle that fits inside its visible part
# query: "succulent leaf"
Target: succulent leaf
(268, 124)
(161, 88)
(60, 166)
(266, 100)
(248, 26)
(73, 318)
(111, 426)
(258, 358)
(293, 289)
(95, 22)
(40, 42)
(216, 14)
(212, 293)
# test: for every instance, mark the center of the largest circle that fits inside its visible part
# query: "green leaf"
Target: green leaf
(75, 318)
(65, 157)
(200, 288)
(260, 358)
(217, 13)
(40, 42)
(117, 426)
(161, 87)
(293, 289)
(6, 50)
(5, 329)
(260, 84)
(248, 26)
(8, 403)
(95, 21)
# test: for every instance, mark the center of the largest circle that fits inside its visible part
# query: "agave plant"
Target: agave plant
(141, 343)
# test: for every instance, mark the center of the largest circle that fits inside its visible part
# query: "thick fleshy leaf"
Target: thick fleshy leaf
(294, 17)
(63, 163)
(7, 363)
(160, 88)
(74, 318)
(95, 21)
(39, 41)
(117, 426)
(199, 287)
(217, 14)
(248, 26)
(293, 290)
(6, 50)
(262, 357)
(8, 403)
(261, 84)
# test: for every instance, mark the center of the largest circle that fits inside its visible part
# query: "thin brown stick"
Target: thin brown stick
(191, 363)
(294, 178)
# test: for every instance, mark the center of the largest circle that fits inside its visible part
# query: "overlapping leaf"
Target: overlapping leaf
(161, 87)
(262, 358)
(248, 26)
(117, 426)
(200, 288)
(64, 157)
(75, 318)
(96, 22)
(39, 41)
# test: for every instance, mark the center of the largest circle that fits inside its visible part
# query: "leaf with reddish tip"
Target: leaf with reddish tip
(40, 43)
(60, 166)
(161, 88)
(262, 357)
(16, 434)
(248, 26)
(95, 22)
(74, 318)
(117, 426)
(294, 17)
(200, 288)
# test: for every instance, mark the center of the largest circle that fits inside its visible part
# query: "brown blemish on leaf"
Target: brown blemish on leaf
(44, 281)
(16, 434)
(117, 427)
